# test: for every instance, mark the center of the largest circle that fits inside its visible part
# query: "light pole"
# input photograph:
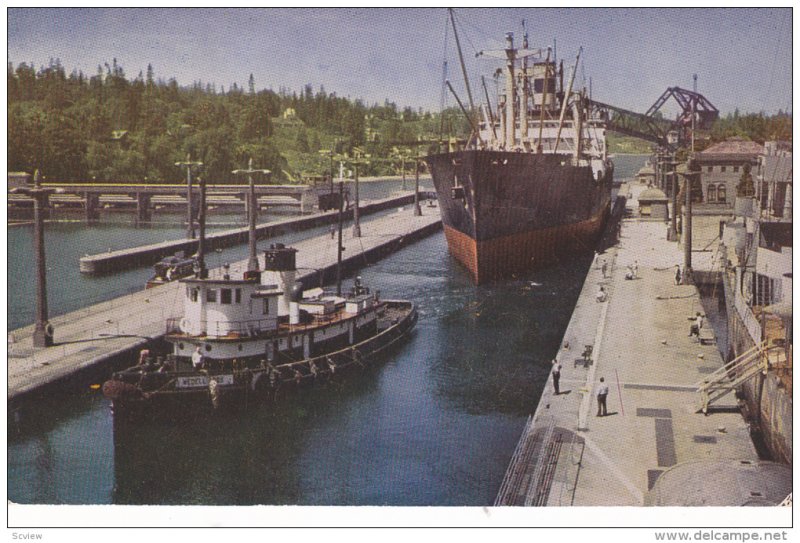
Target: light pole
(687, 227)
(417, 210)
(252, 211)
(43, 330)
(672, 232)
(339, 246)
(356, 162)
(188, 164)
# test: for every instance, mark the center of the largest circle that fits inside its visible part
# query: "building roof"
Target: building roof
(653, 194)
(732, 148)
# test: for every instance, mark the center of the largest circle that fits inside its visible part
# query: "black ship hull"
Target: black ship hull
(506, 213)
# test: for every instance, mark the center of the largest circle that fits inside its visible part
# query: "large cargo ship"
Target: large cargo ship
(533, 183)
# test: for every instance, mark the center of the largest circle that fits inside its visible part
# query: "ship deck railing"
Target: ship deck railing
(257, 328)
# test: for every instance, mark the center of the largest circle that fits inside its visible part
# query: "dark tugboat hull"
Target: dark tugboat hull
(506, 213)
(153, 395)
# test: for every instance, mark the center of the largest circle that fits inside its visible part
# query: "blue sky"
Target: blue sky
(742, 56)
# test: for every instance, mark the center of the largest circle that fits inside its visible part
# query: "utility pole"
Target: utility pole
(417, 210)
(202, 272)
(188, 164)
(687, 227)
(252, 212)
(339, 246)
(43, 330)
(694, 108)
(672, 233)
(403, 167)
(356, 222)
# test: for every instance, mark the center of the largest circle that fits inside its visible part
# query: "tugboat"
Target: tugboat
(170, 269)
(253, 337)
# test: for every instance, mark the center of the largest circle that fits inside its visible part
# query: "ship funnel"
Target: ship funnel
(280, 269)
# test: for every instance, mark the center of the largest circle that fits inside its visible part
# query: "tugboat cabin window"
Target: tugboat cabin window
(225, 296)
(266, 306)
(211, 295)
(192, 293)
(238, 297)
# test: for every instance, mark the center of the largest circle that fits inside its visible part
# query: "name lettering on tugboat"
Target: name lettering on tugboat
(202, 381)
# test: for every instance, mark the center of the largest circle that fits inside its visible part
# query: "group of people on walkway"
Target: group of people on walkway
(601, 392)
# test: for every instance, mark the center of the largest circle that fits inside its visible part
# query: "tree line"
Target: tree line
(112, 128)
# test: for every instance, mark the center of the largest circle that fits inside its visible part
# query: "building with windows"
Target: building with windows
(722, 166)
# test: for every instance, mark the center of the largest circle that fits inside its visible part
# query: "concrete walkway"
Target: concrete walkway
(93, 335)
(640, 346)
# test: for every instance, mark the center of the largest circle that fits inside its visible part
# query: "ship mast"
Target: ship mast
(525, 90)
(461, 59)
(566, 99)
(510, 55)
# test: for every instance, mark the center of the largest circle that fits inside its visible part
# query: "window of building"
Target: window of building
(225, 296)
(238, 297)
(710, 169)
(722, 169)
(721, 196)
(211, 295)
(736, 169)
(712, 194)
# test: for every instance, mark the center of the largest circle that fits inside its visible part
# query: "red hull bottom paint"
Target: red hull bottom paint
(503, 257)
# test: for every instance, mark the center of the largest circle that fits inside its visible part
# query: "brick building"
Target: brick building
(721, 167)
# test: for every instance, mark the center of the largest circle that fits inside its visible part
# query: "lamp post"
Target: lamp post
(687, 227)
(202, 271)
(339, 246)
(252, 211)
(43, 330)
(356, 162)
(188, 164)
(417, 210)
(672, 232)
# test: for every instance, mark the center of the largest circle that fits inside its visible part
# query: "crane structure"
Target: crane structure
(653, 128)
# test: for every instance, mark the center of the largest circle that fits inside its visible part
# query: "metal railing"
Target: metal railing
(220, 328)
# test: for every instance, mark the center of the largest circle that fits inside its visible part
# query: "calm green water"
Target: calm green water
(434, 424)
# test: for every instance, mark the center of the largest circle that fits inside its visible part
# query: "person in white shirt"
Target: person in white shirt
(556, 371)
(602, 394)
(197, 358)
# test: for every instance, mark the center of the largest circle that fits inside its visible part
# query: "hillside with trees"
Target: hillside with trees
(110, 128)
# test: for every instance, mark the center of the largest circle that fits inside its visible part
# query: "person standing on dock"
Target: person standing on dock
(694, 330)
(602, 394)
(678, 274)
(604, 268)
(556, 375)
